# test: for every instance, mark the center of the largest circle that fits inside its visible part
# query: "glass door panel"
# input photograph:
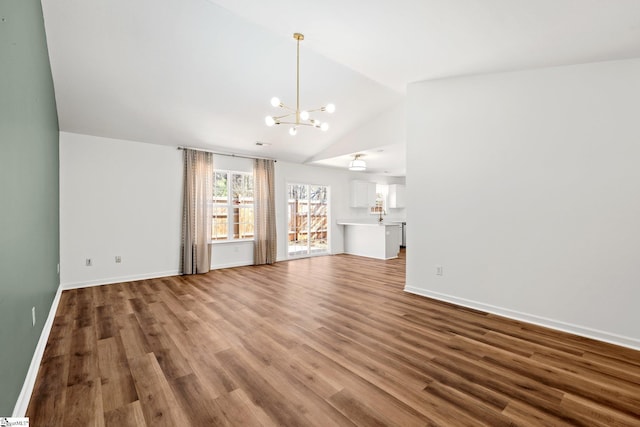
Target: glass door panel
(307, 219)
(318, 218)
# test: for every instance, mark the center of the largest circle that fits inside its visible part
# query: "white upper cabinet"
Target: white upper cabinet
(363, 194)
(396, 196)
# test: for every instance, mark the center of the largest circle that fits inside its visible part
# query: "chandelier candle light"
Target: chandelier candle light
(302, 118)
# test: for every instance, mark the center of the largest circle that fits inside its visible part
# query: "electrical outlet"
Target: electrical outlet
(33, 316)
(118, 259)
(439, 271)
(88, 262)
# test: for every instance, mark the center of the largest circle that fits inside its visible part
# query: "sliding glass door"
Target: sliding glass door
(308, 209)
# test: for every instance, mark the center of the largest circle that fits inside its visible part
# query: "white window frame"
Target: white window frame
(230, 206)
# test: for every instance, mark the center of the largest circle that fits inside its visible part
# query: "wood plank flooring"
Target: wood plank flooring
(316, 342)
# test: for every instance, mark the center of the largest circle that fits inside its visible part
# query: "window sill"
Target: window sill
(225, 242)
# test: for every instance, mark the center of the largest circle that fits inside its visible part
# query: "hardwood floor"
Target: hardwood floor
(320, 341)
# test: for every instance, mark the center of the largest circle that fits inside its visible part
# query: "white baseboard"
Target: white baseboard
(122, 279)
(30, 381)
(531, 318)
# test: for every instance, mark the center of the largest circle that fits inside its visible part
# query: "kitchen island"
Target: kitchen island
(371, 239)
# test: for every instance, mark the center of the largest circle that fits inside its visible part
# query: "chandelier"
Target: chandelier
(357, 164)
(296, 117)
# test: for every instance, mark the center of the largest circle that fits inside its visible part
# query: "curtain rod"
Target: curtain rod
(226, 154)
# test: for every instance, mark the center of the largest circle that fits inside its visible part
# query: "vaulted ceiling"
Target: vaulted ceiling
(201, 72)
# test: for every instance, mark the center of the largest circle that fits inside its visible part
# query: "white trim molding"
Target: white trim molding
(122, 279)
(30, 380)
(531, 318)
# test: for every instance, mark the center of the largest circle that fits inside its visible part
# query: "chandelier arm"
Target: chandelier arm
(282, 117)
(311, 119)
(294, 123)
(286, 107)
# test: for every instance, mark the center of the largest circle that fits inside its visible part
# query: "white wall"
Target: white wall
(525, 187)
(118, 198)
(124, 198)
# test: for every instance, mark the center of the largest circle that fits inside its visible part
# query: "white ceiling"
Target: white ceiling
(201, 72)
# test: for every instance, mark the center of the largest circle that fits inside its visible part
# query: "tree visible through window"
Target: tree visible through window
(232, 206)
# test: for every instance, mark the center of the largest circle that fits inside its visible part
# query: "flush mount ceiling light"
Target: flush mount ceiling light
(302, 118)
(357, 164)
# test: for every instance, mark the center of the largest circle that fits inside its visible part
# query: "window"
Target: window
(232, 206)
(380, 208)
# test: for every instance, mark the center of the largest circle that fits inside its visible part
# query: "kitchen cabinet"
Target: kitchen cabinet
(396, 196)
(363, 194)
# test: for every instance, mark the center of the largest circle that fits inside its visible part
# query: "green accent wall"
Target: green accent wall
(29, 195)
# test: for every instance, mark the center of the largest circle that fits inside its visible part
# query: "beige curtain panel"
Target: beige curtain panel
(196, 212)
(265, 239)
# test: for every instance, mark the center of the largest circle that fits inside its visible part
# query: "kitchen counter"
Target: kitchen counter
(371, 239)
(369, 224)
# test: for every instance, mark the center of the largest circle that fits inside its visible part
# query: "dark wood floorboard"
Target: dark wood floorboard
(324, 341)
